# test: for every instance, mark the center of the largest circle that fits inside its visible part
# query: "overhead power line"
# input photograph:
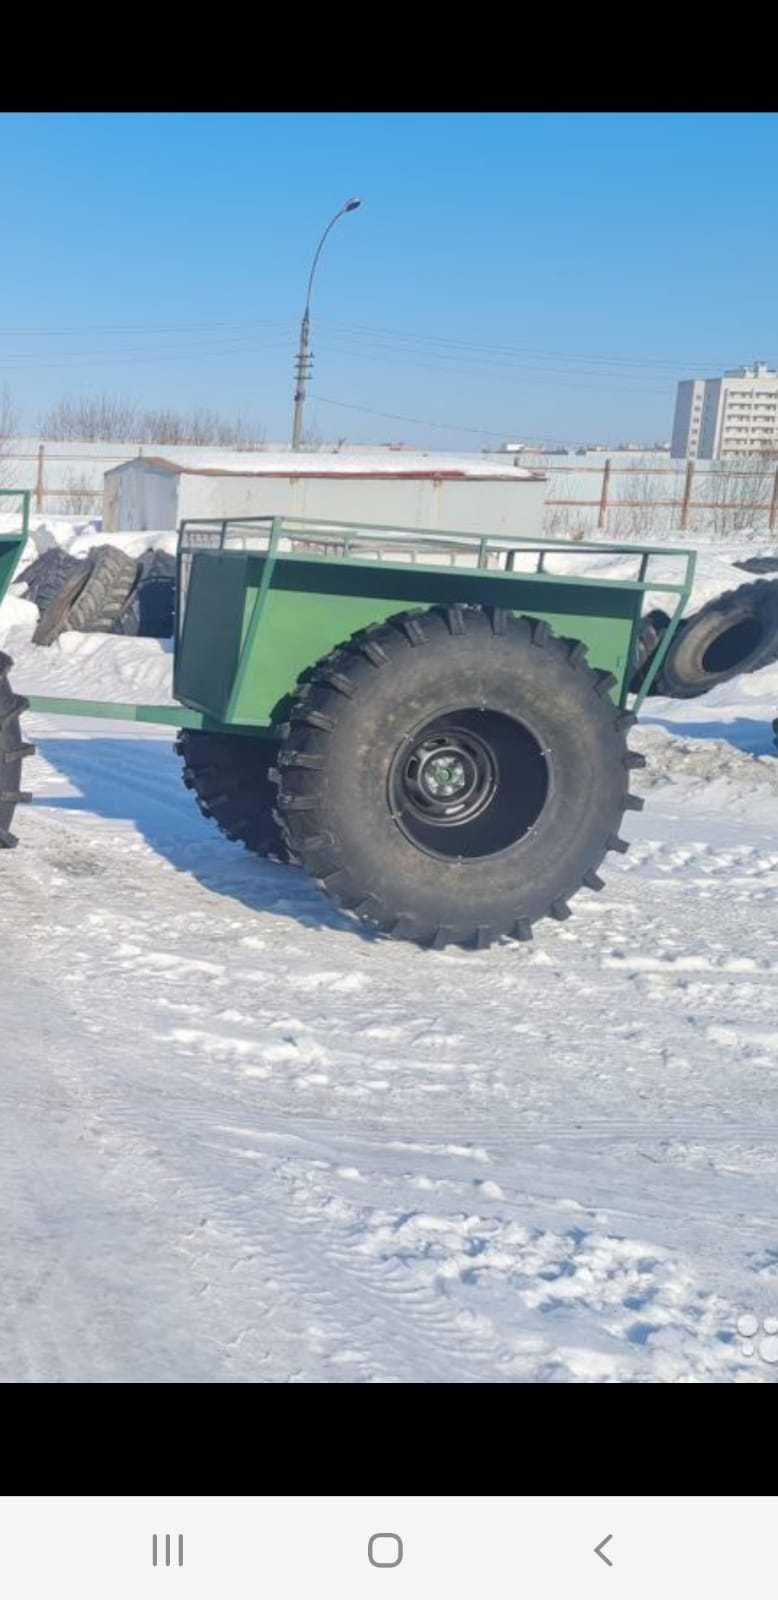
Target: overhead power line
(671, 363)
(151, 328)
(427, 341)
(434, 361)
(424, 422)
(135, 357)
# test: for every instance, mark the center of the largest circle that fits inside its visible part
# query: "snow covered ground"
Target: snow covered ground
(241, 1141)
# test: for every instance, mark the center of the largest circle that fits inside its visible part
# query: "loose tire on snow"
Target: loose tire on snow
(228, 775)
(737, 632)
(150, 610)
(92, 600)
(54, 620)
(105, 595)
(47, 577)
(455, 774)
(12, 753)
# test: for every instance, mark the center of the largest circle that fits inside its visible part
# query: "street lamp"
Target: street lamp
(302, 365)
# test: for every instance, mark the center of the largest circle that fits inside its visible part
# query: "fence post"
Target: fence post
(39, 481)
(774, 504)
(687, 492)
(606, 478)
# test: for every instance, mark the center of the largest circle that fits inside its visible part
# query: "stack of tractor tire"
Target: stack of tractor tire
(733, 634)
(104, 592)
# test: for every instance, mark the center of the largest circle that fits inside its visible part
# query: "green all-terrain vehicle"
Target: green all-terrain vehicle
(434, 726)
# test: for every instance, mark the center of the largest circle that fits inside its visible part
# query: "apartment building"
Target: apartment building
(735, 415)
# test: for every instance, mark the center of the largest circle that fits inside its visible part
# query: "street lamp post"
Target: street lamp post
(303, 362)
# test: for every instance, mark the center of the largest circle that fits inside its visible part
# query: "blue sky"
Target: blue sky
(509, 275)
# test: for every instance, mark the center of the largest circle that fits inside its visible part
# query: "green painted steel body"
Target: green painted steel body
(254, 620)
(250, 621)
(120, 711)
(12, 544)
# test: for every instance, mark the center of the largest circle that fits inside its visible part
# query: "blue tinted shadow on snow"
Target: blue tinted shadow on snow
(139, 781)
(753, 736)
(640, 1332)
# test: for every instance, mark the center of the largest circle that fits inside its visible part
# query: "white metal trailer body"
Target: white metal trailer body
(460, 494)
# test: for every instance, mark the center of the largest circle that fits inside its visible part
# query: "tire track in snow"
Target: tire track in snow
(270, 1273)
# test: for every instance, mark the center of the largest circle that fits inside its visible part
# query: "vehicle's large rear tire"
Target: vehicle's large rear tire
(737, 632)
(12, 753)
(455, 774)
(228, 775)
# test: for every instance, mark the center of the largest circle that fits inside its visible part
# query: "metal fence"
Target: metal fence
(78, 496)
(685, 503)
(60, 479)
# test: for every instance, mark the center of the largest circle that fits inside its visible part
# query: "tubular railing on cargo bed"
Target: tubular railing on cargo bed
(357, 540)
(354, 543)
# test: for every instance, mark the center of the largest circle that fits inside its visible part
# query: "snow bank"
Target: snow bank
(79, 535)
(17, 614)
(47, 532)
(750, 686)
(712, 764)
(133, 544)
(91, 666)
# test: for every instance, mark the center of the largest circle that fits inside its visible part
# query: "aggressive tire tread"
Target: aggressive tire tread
(229, 776)
(332, 695)
(93, 599)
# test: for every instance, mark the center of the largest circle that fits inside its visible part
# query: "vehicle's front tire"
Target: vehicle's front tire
(455, 774)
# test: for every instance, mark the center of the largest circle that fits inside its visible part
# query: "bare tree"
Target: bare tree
(103, 418)
(78, 495)
(566, 522)
(724, 494)
(9, 430)
(633, 512)
(89, 419)
(630, 513)
(199, 427)
(738, 484)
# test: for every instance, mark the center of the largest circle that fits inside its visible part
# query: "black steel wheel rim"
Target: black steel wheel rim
(467, 784)
(449, 777)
